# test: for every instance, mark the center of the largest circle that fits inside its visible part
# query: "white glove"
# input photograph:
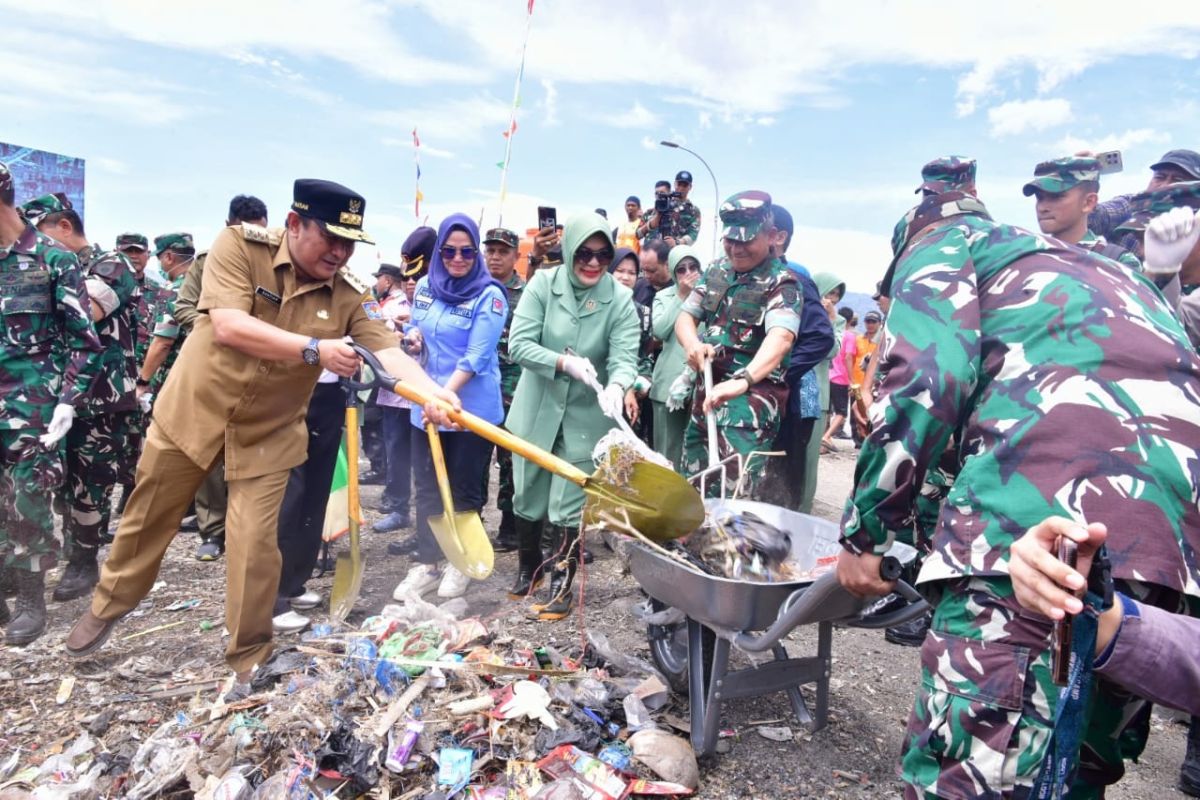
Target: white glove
(146, 402)
(1170, 238)
(580, 369)
(612, 401)
(60, 423)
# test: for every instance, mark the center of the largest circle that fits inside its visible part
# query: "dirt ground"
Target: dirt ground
(854, 757)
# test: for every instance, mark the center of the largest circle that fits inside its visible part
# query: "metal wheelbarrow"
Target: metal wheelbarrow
(755, 617)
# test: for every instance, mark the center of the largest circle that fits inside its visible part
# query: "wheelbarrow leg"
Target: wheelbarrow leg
(705, 690)
(799, 707)
(825, 655)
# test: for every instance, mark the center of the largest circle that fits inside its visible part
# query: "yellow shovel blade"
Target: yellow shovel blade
(661, 504)
(347, 583)
(465, 543)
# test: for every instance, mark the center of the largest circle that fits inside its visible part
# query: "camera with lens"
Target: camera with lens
(667, 202)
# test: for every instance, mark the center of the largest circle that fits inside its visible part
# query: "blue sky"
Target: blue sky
(832, 107)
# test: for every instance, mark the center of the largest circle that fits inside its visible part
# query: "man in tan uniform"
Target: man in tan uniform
(276, 306)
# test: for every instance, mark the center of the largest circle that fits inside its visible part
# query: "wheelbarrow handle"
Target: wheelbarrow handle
(493, 433)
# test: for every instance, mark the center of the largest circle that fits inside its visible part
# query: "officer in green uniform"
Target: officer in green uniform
(49, 358)
(743, 315)
(575, 324)
(1067, 190)
(136, 249)
(97, 441)
(500, 250)
(175, 253)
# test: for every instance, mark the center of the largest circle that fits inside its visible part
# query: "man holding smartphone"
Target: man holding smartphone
(1175, 166)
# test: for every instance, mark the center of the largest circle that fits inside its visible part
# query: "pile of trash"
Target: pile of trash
(418, 702)
(741, 545)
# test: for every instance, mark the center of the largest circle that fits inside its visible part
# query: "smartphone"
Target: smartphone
(1110, 161)
(547, 217)
(1060, 639)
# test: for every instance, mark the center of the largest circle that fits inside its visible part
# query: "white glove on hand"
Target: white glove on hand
(60, 423)
(612, 401)
(1170, 238)
(580, 369)
(146, 402)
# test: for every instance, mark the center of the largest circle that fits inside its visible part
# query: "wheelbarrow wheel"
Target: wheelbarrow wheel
(669, 650)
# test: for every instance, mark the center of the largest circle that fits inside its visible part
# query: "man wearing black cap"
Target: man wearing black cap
(275, 308)
(1175, 166)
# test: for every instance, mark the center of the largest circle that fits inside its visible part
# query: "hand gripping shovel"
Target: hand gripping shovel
(347, 575)
(461, 536)
(661, 504)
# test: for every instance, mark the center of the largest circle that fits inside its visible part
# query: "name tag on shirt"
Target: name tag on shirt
(463, 309)
(263, 291)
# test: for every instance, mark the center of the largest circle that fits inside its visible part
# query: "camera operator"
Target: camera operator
(674, 218)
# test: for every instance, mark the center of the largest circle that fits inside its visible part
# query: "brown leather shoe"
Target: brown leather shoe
(89, 634)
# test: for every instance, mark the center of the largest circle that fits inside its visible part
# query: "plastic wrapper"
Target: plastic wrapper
(671, 757)
(623, 662)
(522, 779)
(454, 766)
(594, 779)
(559, 790)
(590, 693)
(637, 716)
(401, 746)
(616, 755)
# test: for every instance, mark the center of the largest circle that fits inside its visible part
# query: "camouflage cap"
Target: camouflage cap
(37, 209)
(1148, 205)
(502, 236)
(132, 241)
(6, 179)
(179, 242)
(947, 174)
(933, 208)
(1061, 174)
(744, 215)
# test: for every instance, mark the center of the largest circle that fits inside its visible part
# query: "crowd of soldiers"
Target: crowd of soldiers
(1018, 376)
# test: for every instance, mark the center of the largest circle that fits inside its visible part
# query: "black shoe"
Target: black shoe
(911, 633)
(8, 582)
(1189, 772)
(529, 558)
(372, 478)
(210, 550)
(29, 619)
(394, 521)
(506, 537)
(80, 576)
(5, 616)
(189, 525)
(404, 547)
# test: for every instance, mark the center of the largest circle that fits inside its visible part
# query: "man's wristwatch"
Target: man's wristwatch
(310, 353)
(742, 374)
(141, 382)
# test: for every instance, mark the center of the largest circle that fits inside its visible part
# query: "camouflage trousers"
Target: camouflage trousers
(97, 455)
(29, 477)
(134, 437)
(985, 708)
(745, 425)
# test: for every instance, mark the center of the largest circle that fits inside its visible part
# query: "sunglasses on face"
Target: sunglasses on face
(684, 269)
(465, 253)
(603, 256)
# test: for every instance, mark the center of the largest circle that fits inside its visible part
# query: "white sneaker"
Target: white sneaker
(420, 579)
(289, 622)
(309, 599)
(454, 583)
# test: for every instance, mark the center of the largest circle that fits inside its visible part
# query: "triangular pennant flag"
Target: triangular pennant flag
(337, 513)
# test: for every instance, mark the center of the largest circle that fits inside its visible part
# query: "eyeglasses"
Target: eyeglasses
(684, 269)
(603, 256)
(465, 253)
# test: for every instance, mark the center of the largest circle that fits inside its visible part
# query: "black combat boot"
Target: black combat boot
(529, 557)
(4, 615)
(29, 619)
(506, 537)
(561, 598)
(1189, 773)
(80, 576)
(8, 582)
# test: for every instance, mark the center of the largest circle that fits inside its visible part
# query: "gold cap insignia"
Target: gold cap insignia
(346, 218)
(356, 206)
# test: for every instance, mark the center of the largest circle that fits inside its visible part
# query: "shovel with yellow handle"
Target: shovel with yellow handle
(461, 536)
(348, 573)
(660, 503)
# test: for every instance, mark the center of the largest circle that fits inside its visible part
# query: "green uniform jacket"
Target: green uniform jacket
(547, 405)
(672, 359)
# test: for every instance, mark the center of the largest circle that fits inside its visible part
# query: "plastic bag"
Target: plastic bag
(630, 665)
(637, 716)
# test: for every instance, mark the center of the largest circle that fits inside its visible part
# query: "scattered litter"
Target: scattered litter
(65, 688)
(183, 605)
(671, 757)
(776, 734)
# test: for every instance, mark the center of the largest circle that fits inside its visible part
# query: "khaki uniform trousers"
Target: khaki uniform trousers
(166, 482)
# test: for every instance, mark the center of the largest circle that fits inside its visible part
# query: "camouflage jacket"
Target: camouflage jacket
(1075, 390)
(510, 371)
(734, 310)
(167, 327)
(49, 350)
(683, 223)
(154, 295)
(1098, 244)
(114, 390)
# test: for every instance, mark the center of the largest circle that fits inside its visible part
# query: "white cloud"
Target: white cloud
(649, 143)
(425, 150)
(638, 117)
(1112, 141)
(1020, 116)
(461, 119)
(111, 165)
(549, 104)
(857, 257)
(766, 121)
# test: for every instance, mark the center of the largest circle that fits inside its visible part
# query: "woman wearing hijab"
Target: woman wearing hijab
(575, 326)
(669, 425)
(626, 270)
(459, 310)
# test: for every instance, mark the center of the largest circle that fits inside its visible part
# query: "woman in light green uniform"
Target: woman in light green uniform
(575, 324)
(685, 265)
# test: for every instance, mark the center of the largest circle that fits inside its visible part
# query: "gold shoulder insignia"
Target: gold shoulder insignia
(356, 283)
(257, 233)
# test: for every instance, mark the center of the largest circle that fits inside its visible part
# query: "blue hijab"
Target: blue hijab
(450, 290)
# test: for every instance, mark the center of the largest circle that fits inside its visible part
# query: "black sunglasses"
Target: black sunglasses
(603, 256)
(684, 269)
(466, 253)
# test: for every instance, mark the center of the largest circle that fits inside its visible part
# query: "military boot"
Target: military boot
(80, 576)
(4, 615)
(529, 557)
(8, 582)
(561, 597)
(1189, 773)
(506, 537)
(29, 619)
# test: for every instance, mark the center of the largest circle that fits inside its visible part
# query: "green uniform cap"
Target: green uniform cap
(130, 241)
(744, 215)
(179, 242)
(947, 174)
(39, 208)
(1148, 205)
(502, 236)
(1061, 174)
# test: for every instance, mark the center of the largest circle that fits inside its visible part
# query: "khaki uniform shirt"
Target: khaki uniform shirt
(218, 398)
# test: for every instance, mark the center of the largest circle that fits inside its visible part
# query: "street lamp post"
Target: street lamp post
(716, 220)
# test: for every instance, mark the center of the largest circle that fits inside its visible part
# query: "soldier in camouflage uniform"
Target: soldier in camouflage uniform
(948, 174)
(500, 247)
(679, 225)
(1067, 190)
(96, 443)
(49, 358)
(743, 314)
(1078, 396)
(136, 249)
(175, 253)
